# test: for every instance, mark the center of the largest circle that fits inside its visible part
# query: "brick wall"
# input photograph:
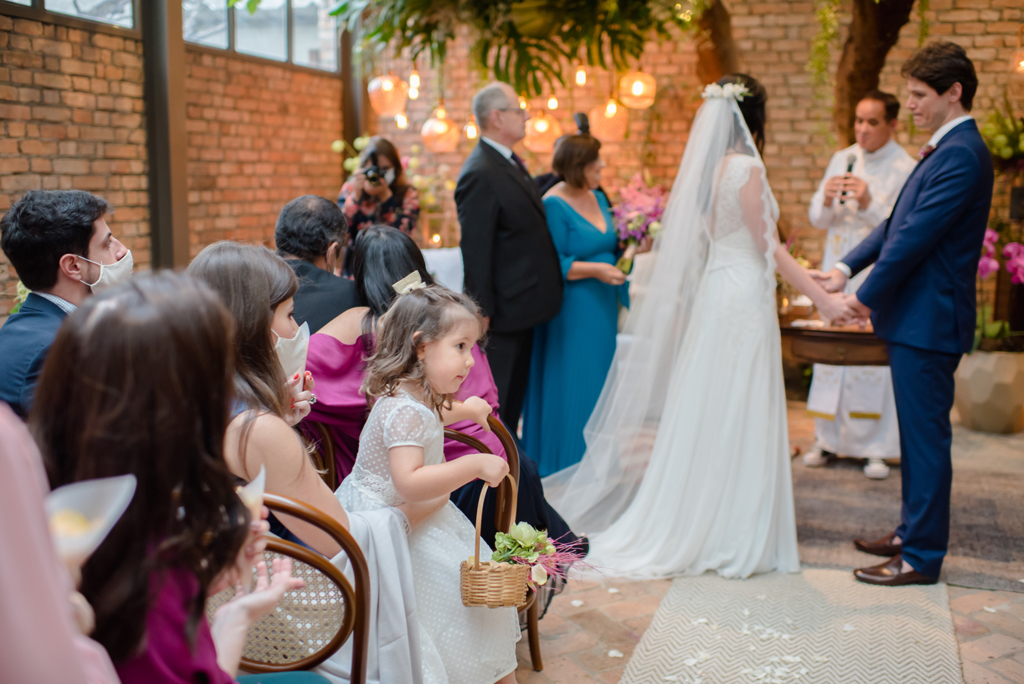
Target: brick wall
(774, 40)
(259, 136)
(72, 117)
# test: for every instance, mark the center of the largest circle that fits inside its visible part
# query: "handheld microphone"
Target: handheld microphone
(851, 159)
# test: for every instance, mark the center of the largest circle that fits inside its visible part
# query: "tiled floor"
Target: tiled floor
(576, 639)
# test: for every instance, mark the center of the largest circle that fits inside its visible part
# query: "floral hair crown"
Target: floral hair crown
(734, 91)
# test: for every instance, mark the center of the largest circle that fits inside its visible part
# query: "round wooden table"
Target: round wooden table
(845, 346)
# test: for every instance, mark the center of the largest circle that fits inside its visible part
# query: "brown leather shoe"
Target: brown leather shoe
(881, 547)
(888, 574)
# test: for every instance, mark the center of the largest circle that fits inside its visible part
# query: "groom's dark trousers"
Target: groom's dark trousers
(921, 293)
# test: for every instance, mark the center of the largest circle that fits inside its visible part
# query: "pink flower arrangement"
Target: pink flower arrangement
(637, 215)
(988, 265)
(1014, 255)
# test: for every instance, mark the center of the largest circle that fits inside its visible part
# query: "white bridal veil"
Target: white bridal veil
(622, 429)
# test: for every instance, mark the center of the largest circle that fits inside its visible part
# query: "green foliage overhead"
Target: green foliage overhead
(522, 42)
(251, 5)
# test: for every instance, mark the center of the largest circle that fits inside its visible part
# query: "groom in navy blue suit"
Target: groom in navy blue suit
(921, 300)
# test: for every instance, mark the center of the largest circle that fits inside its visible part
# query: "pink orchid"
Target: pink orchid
(987, 266)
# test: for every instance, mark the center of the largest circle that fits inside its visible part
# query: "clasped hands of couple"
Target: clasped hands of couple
(840, 308)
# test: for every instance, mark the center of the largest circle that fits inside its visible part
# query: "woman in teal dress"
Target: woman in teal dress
(573, 352)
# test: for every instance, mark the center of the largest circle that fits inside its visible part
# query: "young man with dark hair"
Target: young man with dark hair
(309, 235)
(853, 408)
(922, 301)
(59, 243)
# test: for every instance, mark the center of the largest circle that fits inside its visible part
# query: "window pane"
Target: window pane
(205, 22)
(119, 12)
(315, 38)
(27, 3)
(262, 33)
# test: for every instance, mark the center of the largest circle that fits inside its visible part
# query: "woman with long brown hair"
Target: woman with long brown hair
(257, 287)
(139, 382)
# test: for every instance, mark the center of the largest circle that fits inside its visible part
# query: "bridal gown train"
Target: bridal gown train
(716, 493)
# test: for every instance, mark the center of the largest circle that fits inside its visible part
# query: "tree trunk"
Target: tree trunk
(874, 30)
(716, 50)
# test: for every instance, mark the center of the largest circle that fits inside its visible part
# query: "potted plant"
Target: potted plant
(990, 380)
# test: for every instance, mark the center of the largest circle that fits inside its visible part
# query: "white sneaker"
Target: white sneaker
(816, 457)
(876, 469)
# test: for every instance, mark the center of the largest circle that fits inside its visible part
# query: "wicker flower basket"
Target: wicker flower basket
(495, 585)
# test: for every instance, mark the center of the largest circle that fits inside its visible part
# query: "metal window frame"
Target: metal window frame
(37, 11)
(287, 63)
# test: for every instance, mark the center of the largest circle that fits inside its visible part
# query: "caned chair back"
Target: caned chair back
(310, 624)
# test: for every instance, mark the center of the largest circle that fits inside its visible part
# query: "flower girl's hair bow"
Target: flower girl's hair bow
(733, 91)
(411, 282)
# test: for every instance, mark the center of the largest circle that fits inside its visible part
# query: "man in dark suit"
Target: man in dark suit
(309, 235)
(921, 299)
(59, 243)
(511, 266)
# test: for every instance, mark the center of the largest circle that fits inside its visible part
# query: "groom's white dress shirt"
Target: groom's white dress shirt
(853, 406)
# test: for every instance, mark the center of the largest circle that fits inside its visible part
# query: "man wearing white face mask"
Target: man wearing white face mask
(59, 243)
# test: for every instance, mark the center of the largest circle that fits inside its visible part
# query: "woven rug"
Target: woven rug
(986, 541)
(815, 627)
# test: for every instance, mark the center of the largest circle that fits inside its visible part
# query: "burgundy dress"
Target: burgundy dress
(167, 657)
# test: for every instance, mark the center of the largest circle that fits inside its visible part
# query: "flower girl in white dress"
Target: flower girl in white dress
(424, 352)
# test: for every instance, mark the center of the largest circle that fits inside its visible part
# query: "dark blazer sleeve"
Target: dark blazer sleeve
(937, 209)
(865, 254)
(478, 209)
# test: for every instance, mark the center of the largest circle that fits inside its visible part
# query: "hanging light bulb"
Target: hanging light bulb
(414, 79)
(542, 130)
(387, 95)
(581, 76)
(522, 102)
(439, 133)
(552, 102)
(436, 239)
(608, 121)
(402, 121)
(414, 93)
(637, 90)
(471, 130)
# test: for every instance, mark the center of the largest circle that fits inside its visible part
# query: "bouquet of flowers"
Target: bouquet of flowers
(526, 546)
(637, 216)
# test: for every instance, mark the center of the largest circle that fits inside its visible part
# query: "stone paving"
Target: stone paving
(590, 619)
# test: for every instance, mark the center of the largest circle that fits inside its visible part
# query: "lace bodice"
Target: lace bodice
(394, 421)
(729, 215)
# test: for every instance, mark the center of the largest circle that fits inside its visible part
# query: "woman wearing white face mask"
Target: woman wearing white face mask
(378, 193)
(257, 287)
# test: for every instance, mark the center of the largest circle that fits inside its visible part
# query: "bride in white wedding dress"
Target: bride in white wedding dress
(687, 462)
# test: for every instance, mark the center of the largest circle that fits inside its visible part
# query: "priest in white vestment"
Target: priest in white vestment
(853, 406)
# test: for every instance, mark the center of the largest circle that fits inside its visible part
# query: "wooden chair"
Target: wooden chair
(323, 456)
(310, 624)
(503, 519)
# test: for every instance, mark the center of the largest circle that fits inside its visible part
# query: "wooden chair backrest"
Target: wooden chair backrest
(503, 503)
(310, 624)
(323, 454)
